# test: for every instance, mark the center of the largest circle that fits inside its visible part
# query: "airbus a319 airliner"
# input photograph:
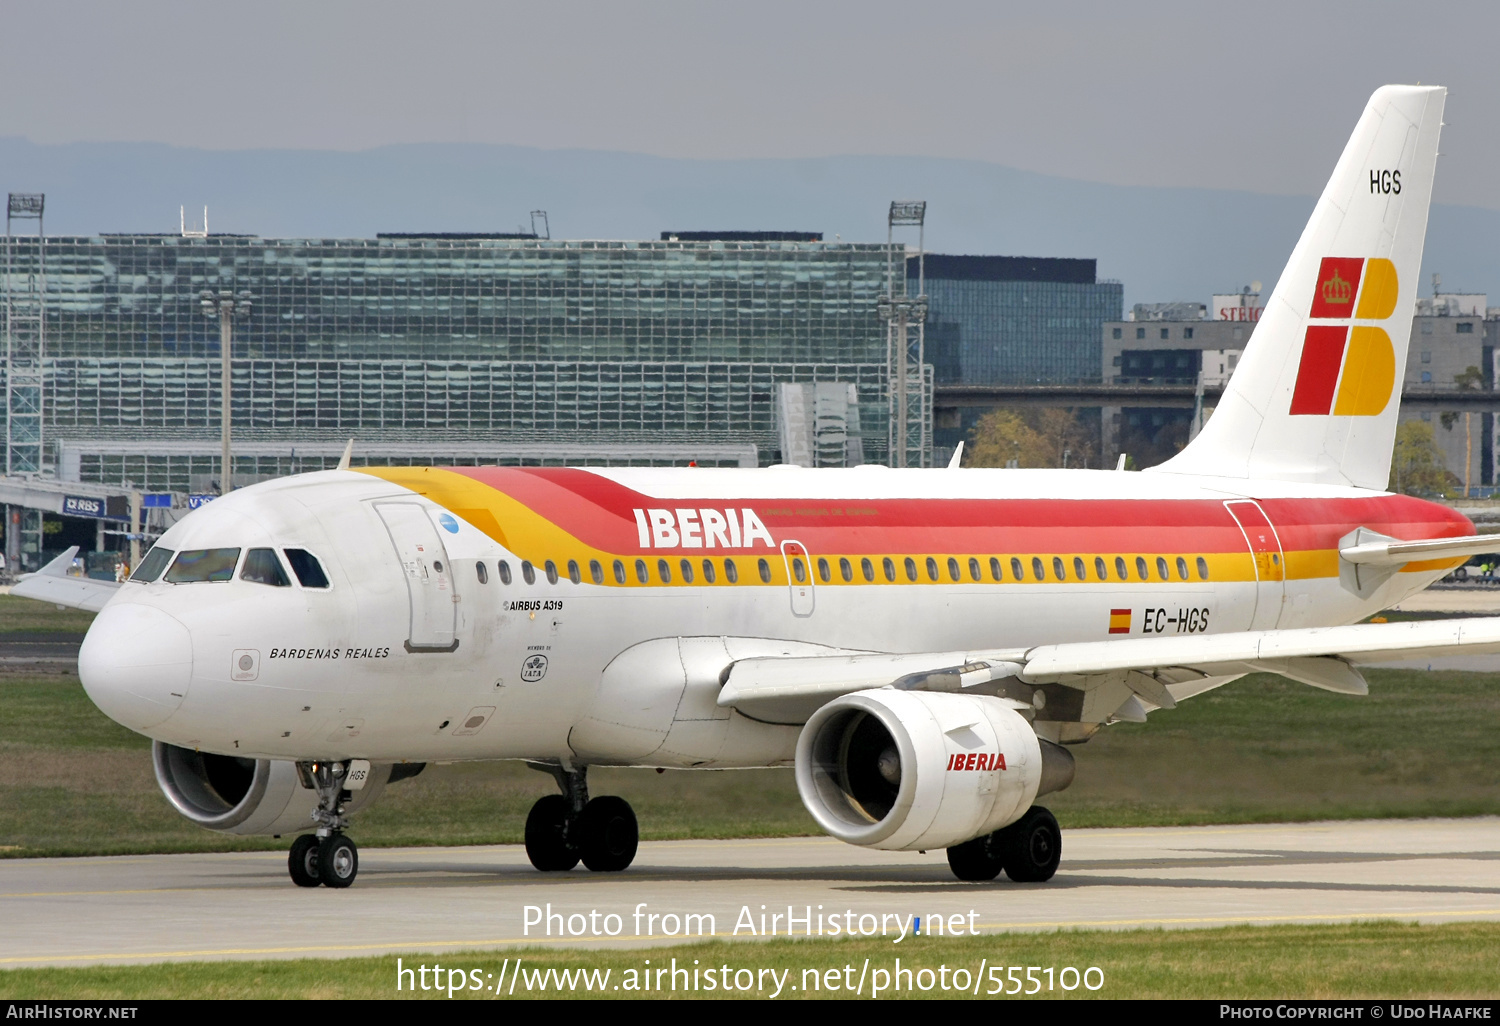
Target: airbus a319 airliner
(925, 647)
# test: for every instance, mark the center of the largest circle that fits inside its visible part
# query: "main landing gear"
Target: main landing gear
(1028, 850)
(326, 857)
(563, 829)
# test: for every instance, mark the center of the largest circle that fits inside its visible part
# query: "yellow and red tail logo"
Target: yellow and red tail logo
(1348, 370)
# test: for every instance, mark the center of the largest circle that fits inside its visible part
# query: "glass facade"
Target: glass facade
(1016, 320)
(444, 338)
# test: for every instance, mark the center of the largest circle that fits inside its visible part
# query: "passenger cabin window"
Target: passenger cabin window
(1140, 568)
(911, 568)
(1059, 569)
(932, 569)
(480, 571)
(995, 567)
(528, 572)
(867, 568)
(262, 567)
(1016, 569)
(731, 572)
(619, 569)
(1182, 571)
(846, 571)
(641, 573)
(596, 572)
(1038, 569)
(686, 566)
(954, 573)
(708, 571)
(1079, 570)
(1161, 568)
(889, 566)
(1202, 569)
(504, 571)
(798, 570)
(974, 570)
(551, 569)
(203, 565)
(824, 574)
(307, 568)
(1121, 570)
(664, 571)
(1101, 568)
(151, 567)
(765, 571)
(573, 574)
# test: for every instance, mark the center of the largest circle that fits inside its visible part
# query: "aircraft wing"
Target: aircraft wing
(788, 690)
(52, 584)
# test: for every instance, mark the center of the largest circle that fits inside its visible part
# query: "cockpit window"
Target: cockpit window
(262, 567)
(203, 565)
(307, 568)
(151, 567)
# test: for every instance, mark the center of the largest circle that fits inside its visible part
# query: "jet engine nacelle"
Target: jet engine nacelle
(246, 796)
(907, 770)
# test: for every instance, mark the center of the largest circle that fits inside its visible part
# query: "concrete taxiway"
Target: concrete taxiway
(84, 911)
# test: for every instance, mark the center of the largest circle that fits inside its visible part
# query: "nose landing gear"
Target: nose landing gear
(325, 857)
(563, 829)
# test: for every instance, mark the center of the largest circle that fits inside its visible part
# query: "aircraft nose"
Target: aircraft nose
(136, 663)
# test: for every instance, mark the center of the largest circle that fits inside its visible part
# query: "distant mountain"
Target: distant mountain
(1163, 243)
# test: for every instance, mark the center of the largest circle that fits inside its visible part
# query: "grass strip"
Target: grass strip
(1365, 960)
(1259, 750)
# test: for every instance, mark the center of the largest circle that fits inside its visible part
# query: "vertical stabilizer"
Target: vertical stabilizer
(1316, 394)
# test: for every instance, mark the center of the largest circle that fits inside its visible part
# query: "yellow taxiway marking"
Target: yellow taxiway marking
(658, 941)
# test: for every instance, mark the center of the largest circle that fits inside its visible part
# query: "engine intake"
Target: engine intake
(906, 770)
(245, 796)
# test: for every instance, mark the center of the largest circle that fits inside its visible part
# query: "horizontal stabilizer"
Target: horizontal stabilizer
(1396, 553)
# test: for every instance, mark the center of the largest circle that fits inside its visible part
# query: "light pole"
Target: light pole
(226, 306)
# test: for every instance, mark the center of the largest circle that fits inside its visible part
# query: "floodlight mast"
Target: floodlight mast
(225, 306)
(899, 310)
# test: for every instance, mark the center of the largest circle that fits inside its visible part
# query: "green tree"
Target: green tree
(1033, 437)
(1417, 465)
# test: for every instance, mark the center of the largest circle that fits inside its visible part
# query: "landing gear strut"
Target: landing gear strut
(325, 857)
(1028, 850)
(563, 829)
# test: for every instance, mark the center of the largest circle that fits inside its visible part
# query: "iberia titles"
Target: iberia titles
(700, 529)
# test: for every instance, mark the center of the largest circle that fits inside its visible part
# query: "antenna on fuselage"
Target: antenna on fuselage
(958, 456)
(344, 459)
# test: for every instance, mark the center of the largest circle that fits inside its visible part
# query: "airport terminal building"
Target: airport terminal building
(447, 348)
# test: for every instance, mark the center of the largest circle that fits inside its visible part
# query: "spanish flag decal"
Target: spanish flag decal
(1119, 621)
(1348, 370)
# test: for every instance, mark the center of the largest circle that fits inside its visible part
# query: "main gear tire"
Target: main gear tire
(607, 834)
(547, 835)
(1032, 847)
(976, 860)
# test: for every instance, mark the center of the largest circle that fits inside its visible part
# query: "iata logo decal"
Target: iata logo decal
(700, 529)
(976, 761)
(1348, 370)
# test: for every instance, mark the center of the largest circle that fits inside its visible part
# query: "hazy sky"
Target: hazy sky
(1245, 96)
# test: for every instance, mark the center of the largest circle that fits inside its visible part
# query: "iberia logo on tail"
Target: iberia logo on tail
(1348, 369)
